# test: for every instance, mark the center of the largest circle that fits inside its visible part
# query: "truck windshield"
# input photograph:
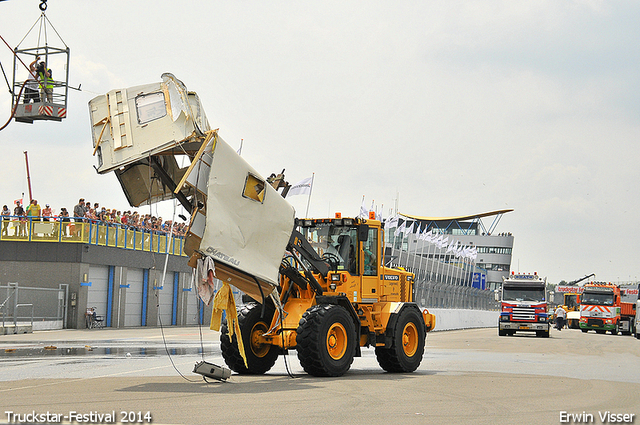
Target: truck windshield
(597, 298)
(519, 293)
(334, 242)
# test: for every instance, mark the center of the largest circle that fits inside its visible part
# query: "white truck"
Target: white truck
(523, 305)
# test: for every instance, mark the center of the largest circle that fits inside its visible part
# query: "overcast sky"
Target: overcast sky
(449, 107)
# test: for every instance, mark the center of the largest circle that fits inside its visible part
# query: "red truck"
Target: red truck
(523, 305)
(608, 307)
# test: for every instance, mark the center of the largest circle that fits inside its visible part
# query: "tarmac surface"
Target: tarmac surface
(466, 377)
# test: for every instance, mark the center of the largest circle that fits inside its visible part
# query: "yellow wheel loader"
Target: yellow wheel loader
(335, 298)
(318, 286)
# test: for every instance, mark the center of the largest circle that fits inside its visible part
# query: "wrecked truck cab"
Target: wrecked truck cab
(237, 219)
(147, 126)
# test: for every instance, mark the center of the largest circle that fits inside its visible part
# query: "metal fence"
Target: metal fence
(39, 308)
(441, 280)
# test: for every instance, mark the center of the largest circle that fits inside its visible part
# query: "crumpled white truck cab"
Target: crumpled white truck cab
(237, 218)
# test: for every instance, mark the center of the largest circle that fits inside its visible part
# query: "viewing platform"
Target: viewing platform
(34, 229)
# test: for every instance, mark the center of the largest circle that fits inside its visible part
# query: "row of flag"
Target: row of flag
(441, 241)
(303, 187)
(365, 213)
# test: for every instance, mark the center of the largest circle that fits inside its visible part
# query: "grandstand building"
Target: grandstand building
(492, 251)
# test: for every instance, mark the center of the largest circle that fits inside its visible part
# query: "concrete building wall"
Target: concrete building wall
(50, 264)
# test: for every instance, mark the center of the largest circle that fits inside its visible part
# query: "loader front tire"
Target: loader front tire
(326, 340)
(260, 357)
(407, 348)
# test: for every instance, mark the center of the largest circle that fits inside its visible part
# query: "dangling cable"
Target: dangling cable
(284, 352)
(6, 79)
(15, 107)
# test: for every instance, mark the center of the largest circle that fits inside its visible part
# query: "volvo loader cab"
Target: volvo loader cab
(336, 297)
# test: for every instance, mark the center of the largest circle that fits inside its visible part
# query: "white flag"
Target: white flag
(400, 228)
(391, 222)
(303, 187)
(363, 210)
(409, 228)
(452, 245)
(429, 236)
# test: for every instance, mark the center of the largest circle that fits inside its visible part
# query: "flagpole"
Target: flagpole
(421, 274)
(437, 247)
(306, 213)
(421, 238)
(429, 266)
(457, 271)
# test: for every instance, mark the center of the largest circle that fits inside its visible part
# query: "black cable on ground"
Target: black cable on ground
(166, 348)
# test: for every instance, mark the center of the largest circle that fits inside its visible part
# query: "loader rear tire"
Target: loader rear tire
(326, 340)
(260, 357)
(407, 348)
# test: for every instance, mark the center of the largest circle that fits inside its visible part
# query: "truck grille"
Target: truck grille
(595, 322)
(524, 313)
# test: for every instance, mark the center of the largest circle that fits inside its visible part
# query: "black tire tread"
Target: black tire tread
(230, 352)
(311, 346)
(393, 359)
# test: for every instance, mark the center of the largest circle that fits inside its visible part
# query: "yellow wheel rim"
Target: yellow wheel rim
(259, 348)
(337, 341)
(410, 339)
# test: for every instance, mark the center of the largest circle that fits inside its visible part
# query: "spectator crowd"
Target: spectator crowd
(85, 212)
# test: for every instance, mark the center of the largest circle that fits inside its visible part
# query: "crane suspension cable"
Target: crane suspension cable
(15, 107)
(6, 79)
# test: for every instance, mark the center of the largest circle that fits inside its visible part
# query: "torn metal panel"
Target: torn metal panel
(142, 185)
(248, 223)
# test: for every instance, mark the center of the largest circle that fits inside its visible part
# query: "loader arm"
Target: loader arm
(299, 245)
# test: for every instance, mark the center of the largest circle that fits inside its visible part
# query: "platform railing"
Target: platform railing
(37, 229)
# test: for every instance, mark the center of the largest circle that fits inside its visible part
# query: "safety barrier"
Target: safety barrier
(450, 318)
(36, 229)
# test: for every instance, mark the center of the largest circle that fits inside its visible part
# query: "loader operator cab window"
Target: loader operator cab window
(370, 249)
(337, 244)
